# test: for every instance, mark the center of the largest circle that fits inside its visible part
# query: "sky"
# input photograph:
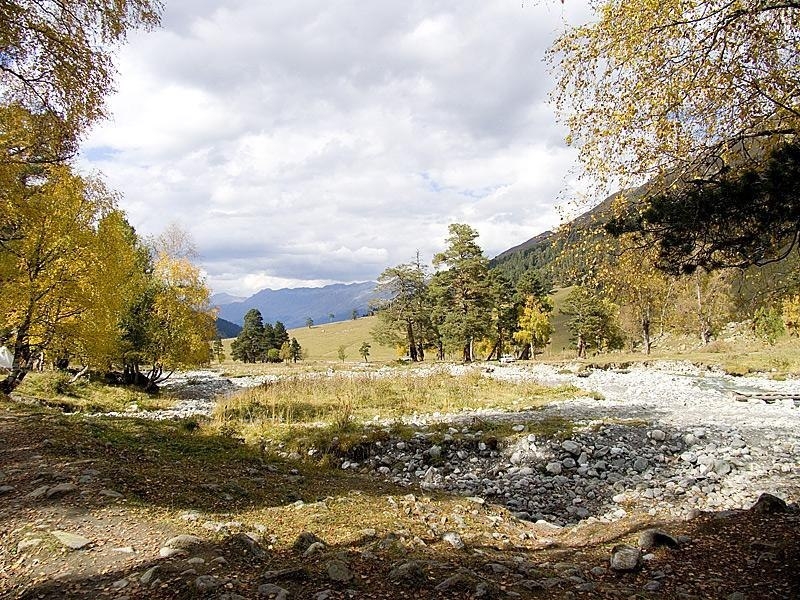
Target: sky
(304, 143)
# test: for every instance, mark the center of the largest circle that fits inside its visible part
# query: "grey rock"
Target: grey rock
(323, 595)
(38, 492)
(452, 538)
(657, 435)
(4, 489)
(641, 464)
(206, 583)
(625, 558)
(247, 545)
(458, 582)
(554, 468)
(486, 590)
(571, 446)
(183, 542)
(148, 576)
(171, 552)
(120, 584)
(62, 489)
(652, 586)
(408, 574)
(769, 504)
(315, 548)
(71, 540)
(304, 540)
(653, 538)
(111, 493)
(270, 590)
(339, 571)
(28, 543)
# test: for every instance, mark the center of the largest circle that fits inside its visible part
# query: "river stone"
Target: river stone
(315, 548)
(339, 571)
(28, 543)
(71, 540)
(571, 446)
(457, 582)
(769, 504)
(206, 583)
(409, 574)
(273, 591)
(4, 489)
(183, 542)
(148, 576)
(452, 538)
(38, 492)
(170, 552)
(652, 538)
(554, 468)
(641, 464)
(304, 541)
(62, 489)
(625, 558)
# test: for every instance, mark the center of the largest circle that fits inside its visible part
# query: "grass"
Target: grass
(52, 388)
(309, 412)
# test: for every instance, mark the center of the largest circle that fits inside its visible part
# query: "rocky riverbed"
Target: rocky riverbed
(670, 439)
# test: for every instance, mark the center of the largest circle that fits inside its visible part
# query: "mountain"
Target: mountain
(292, 306)
(541, 251)
(224, 298)
(226, 329)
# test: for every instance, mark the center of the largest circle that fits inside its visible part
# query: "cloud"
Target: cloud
(303, 143)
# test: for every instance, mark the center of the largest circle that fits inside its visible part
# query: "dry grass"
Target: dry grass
(342, 404)
(52, 388)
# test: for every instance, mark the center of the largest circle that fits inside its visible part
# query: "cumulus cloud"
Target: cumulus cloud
(302, 143)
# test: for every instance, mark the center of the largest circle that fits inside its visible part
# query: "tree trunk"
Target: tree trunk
(646, 335)
(494, 349)
(420, 352)
(412, 344)
(79, 374)
(21, 363)
(581, 346)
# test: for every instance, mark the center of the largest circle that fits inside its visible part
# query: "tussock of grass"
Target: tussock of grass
(340, 399)
(53, 389)
(332, 414)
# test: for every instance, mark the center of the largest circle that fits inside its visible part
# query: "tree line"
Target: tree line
(264, 342)
(619, 297)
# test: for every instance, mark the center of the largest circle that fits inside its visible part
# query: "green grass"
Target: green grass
(52, 388)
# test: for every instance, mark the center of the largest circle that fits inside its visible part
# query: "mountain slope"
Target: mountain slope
(292, 306)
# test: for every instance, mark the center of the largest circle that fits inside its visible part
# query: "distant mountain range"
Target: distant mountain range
(292, 306)
(226, 329)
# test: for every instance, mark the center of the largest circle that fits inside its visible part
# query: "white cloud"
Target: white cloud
(303, 143)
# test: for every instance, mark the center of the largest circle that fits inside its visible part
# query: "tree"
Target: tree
(341, 353)
(218, 349)
(331, 317)
(354, 314)
(309, 322)
(535, 326)
(57, 56)
(699, 100)
(249, 345)
(679, 87)
(592, 321)
(704, 300)
(791, 315)
(461, 293)
(179, 322)
(281, 335)
(403, 308)
(296, 352)
(364, 350)
(629, 278)
(52, 262)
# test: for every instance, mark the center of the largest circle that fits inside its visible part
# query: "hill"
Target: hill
(226, 329)
(322, 341)
(542, 250)
(292, 306)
